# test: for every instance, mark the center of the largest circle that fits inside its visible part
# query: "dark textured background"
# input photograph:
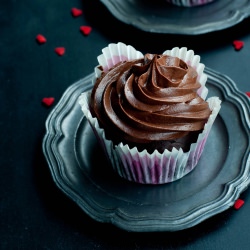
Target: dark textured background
(34, 213)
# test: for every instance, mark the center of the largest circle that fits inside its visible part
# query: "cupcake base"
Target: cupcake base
(150, 168)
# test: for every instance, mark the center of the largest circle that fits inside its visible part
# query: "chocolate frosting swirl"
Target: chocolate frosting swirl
(150, 99)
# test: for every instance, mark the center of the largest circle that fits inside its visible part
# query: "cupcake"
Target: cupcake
(149, 112)
(189, 3)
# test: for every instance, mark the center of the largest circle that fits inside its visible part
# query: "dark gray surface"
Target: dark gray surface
(34, 212)
(80, 170)
(160, 17)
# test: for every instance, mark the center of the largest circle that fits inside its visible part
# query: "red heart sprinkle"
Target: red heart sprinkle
(248, 94)
(85, 30)
(238, 45)
(41, 39)
(60, 51)
(76, 12)
(48, 101)
(238, 204)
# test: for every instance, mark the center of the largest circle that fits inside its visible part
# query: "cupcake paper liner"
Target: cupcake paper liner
(142, 166)
(155, 168)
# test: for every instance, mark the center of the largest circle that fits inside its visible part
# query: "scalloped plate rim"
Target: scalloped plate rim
(117, 216)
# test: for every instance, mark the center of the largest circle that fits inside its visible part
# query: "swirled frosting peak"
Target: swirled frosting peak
(149, 99)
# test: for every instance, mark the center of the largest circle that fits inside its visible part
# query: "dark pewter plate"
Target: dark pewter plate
(80, 170)
(158, 16)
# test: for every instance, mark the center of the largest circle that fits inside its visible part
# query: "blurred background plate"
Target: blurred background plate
(158, 16)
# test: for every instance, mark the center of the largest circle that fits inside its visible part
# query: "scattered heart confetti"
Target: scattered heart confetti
(48, 101)
(238, 204)
(238, 45)
(85, 30)
(41, 39)
(248, 94)
(76, 12)
(60, 51)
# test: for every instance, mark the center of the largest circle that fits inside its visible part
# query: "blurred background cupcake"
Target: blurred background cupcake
(189, 3)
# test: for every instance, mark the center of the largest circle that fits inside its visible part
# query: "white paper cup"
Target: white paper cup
(154, 168)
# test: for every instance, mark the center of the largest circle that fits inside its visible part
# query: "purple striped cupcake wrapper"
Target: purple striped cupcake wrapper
(155, 168)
